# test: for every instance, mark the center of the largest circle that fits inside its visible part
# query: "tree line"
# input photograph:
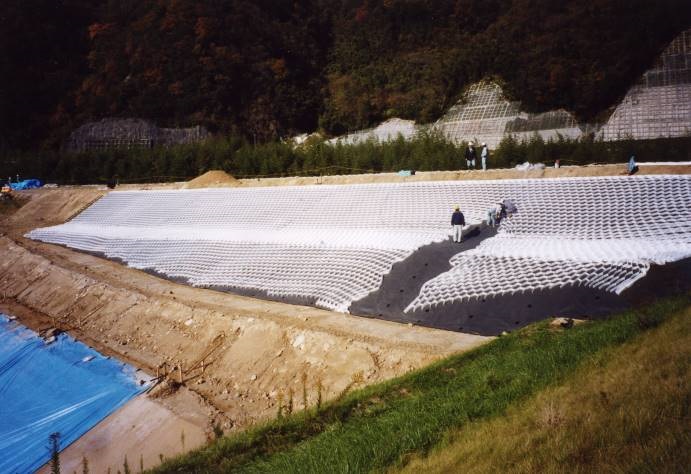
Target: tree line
(242, 158)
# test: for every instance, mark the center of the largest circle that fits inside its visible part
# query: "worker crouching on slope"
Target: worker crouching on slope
(493, 215)
(457, 222)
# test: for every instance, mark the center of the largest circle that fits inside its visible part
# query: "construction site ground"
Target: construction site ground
(254, 352)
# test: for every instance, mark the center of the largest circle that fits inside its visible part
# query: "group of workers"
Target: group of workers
(471, 155)
(502, 209)
(506, 207)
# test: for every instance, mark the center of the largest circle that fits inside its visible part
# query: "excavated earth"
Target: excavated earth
(255, 352)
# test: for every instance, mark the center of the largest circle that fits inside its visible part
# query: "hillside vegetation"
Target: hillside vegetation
(264, 69)
(602, 395)
(242, 159)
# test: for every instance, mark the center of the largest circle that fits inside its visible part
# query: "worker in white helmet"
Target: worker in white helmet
(470, 155)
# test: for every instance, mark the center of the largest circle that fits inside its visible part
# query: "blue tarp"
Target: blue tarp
(63, 387)
(26, 184)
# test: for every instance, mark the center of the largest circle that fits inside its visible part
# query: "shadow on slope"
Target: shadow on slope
(492, 315)
(484, 316)
(402, 284)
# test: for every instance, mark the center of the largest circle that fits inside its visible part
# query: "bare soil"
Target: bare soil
(254, 351)
(503, 173)
(211, 179)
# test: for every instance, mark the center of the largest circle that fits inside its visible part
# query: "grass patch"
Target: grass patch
(386, 424)
(625, 410)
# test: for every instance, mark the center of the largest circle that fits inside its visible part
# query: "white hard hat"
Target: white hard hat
(470, 143)
(484, 144)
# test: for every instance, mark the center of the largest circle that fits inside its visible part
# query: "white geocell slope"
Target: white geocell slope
(598, 232)
(335, 243)
(330, 243)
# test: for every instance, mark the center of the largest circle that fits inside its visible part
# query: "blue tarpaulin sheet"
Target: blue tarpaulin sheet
(26, 184)
(63, 387)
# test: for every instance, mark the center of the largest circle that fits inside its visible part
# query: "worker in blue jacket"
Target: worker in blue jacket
(457, 222)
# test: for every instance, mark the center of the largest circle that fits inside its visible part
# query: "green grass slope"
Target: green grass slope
(385, 426)
(625, 410)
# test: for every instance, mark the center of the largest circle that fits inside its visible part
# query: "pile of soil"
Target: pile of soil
(211, 179)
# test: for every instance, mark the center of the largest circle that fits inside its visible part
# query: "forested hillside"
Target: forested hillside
(270, 68)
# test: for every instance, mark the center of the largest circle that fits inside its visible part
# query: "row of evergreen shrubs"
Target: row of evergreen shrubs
(426, 152)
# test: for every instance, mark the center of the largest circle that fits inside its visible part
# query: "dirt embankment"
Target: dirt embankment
(504, 173)
(220, 179)
(254, 351)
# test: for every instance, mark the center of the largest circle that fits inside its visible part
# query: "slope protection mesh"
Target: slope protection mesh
(332, 244)
(485, 115)
(477, 276)
(335, 243)
(598, 232)
(384, 132)
(659, 105)
(332, 277)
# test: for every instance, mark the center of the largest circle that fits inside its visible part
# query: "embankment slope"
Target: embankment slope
(624, 410)
(584, 378)
(265, 348)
